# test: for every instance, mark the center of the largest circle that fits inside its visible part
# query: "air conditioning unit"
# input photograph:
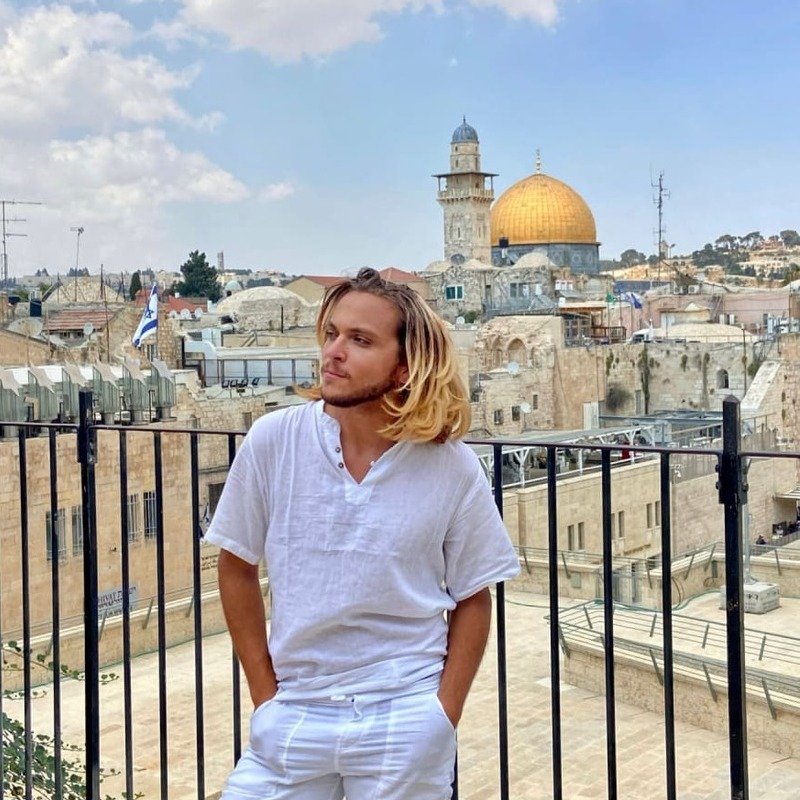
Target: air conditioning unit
(694, 289)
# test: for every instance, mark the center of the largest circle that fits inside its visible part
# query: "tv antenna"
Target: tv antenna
(660, 193)
(7, 233)
(78, 231)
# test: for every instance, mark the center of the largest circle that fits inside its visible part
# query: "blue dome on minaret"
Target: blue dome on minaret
(464, 133)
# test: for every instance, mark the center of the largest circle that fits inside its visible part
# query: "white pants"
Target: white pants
(399, 749)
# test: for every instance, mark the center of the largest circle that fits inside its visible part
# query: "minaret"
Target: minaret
(465, 198)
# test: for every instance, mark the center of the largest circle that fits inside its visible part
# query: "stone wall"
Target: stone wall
(627, 379)
(697, 516)
(636, 682)
(17, 350)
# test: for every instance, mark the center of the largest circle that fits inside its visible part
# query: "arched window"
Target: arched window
(517, 352)
(722, 379)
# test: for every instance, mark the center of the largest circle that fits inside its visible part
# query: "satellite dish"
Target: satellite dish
(173, 314)
(186, 314)
(460, 320)
(198, 312)
(512, 368)
(526, 408)
(88, 329)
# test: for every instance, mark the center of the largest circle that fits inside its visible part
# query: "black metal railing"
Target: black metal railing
(193, 450)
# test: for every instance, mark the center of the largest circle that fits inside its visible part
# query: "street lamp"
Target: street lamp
(78, 231)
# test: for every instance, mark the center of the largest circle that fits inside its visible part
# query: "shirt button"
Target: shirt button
(338, 449)
(341, 466)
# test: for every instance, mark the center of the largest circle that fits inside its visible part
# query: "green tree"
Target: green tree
(750, 240)
(725, 242)
(791, 273)
(790, 238)
(199, 278)
(71, 770)
(136, 285)
(630, 257)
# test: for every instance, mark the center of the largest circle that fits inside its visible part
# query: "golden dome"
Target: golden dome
(542, 210)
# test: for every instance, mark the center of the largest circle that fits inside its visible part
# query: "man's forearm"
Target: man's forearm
(468, 632)
(243, 604)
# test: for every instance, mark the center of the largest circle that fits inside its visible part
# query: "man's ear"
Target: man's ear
(401, 374)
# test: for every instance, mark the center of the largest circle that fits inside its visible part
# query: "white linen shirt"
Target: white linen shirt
(360, 573)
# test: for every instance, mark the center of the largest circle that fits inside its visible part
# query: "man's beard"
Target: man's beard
(368, 394)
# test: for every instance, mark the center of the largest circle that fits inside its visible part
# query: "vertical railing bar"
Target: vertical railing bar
(666, 613)
(198, 619)
(26, 610)
(161, 617)
(56, 523)
(236, 677)
(608, 633)
(502, 686)
(127, 677)
(732, 494)
(91, 662)
(555, 664)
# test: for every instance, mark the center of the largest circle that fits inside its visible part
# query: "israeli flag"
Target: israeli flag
(149, 320)
(633, 299)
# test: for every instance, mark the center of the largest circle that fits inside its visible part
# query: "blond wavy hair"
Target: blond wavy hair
(432, 405)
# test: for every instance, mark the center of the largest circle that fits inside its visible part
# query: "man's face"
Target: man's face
(360, 352)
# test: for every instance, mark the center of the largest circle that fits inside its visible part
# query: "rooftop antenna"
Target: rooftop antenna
(660, 193)
(79, 232)
(6, 233)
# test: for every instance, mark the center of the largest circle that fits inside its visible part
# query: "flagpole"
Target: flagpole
(158, 352)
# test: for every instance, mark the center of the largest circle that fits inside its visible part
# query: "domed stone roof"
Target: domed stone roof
(542, 210)
(464, 133)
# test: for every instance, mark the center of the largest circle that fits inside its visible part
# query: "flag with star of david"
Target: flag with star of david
(149, 321)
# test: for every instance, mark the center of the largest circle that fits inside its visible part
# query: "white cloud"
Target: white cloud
(111, 176)
(287, 30)
(543, 12)
(277, 191)
(81, 130)
(116, 186)
(59, 67)
(176, 32)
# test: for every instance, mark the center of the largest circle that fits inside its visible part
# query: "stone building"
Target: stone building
(465, 198)
(478, 289)
(525, 361)
(264, 308)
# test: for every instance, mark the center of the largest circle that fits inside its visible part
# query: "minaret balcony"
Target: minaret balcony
(465, 194)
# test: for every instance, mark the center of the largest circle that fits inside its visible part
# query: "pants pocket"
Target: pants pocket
(442, 712)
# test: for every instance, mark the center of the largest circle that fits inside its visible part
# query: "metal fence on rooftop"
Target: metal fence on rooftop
(169, 615)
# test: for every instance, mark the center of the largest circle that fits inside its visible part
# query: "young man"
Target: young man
(374, 521)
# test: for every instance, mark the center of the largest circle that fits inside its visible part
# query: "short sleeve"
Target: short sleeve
(477, 550)
(240, 520)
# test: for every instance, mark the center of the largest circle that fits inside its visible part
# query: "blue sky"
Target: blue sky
(301, 134)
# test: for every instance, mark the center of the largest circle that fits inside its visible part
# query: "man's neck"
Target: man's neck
(360, 427)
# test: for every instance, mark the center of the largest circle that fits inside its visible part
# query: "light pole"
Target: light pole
(78, 231)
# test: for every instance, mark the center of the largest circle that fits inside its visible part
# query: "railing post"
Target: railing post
(733, 495)
(91, 641)
(502, 686)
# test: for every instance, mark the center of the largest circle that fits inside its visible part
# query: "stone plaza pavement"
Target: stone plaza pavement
(702, 756)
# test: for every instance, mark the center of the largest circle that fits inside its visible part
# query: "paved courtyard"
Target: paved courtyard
(702, 756)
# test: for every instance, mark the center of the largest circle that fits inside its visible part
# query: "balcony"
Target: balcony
(114, 646)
